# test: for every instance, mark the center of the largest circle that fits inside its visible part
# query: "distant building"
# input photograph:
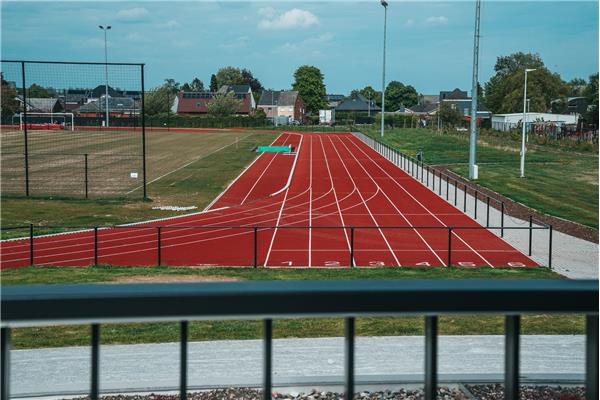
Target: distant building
(197, 102)
(119, 107)
(507, 122)
(42, 105)
(282, 103)
(455, 94)
(357, 103)
(333, 100)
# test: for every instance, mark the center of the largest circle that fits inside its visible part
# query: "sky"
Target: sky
(429, 44)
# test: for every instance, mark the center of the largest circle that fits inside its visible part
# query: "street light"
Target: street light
(524, 122)
(384, 4)
(105, 69)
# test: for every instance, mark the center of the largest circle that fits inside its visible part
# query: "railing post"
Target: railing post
(591, 357)
(440, 186)
(183, 356)
(158, 246)
(476, 203)
(5, 384)
(95, 245)
(95, 370)
(431, 341)
(85, 158)
(465, 199)
(449, 246)
(511, 357)
(349, 354)
(30, 244)
(255, 247)
(502, 219)
(433, 180)
(550, 246)
(530, 235)
(427, 178)
(487, 213)
(351, 246)
(455, 192)
(447, 187)
(267, 358)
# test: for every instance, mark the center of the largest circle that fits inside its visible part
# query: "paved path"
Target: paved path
(239, 362)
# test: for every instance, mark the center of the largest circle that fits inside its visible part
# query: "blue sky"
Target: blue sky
(429, 43)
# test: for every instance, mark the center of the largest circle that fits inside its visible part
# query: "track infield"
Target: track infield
(331, 181)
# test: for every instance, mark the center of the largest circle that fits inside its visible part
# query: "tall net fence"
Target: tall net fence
(72, 129)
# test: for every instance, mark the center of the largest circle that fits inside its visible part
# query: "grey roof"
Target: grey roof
(455, 94)
(42, 104)
(357, 103)
(278, 98)
(429, 98)
(114, 104)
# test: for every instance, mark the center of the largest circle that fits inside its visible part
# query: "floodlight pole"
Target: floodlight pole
(524, 122)
(105, 70)
(473, 173)
(384, 4)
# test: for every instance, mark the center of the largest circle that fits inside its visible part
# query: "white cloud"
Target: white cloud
(133, 14)
(170, 24)
(436, 20)
(311, 44)
(294, 18)
(268, 12)
(238, 43)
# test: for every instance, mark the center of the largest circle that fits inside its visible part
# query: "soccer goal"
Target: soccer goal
(38, 120)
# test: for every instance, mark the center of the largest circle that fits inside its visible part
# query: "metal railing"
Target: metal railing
(93, 236)
(436, 180)
(35, 305)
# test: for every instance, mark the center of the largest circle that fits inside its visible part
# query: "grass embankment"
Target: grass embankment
(306, 327)
(561, 178)
(211, 167)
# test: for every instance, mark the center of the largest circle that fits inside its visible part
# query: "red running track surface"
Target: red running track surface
(332, 180)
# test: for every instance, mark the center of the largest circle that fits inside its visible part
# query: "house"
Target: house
(42, 105)
(282, 103)
(118, 107)
(100, 91)
(422, 109)
(507, 122)
(191, 103)
(333, 100)
(357, 103)
(460, 100)
(455, 94)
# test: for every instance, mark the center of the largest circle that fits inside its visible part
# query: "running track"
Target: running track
(332, 180)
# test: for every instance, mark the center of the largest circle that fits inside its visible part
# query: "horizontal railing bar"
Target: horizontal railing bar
(70, 62)
(285, 227)
(31, 305)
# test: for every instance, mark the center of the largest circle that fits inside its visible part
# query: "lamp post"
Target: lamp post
(105, 29)
(524, 122)
(384, 4)
(473, 170)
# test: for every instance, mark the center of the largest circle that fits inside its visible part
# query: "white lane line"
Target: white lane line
(365, 204)
(392, 203)
(281, 210)
(421, 204)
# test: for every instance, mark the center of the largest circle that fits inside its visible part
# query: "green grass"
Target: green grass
(129, 333)
(560, 181)
(195, 185)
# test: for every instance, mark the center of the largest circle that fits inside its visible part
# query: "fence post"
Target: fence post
(85, 157)
(502, 219)
(255, 247)
(5, 362)
(431, 357)
(25, 130)
(591, 362)
(455, 192)
(30, 244)
(143, 111)
(440, 186)
(487, 216)
(159, 246)
(447, 186)
(183, 359)
(476, 203)
(351, 246)
(530, 234)
(449, 246)
(511, 357)
(465, 199)
(95, 245)
(427, 178)
(95, 359)
(433, 180)
(550, 247)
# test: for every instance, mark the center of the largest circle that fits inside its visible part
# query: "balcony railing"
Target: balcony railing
(96, 304)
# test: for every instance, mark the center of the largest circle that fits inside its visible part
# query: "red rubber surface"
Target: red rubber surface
(334, 180)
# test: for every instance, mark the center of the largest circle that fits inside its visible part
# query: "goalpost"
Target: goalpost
(52, 118)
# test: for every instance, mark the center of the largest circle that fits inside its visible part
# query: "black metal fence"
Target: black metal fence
(154, 240)
(96, 304)
(46, 152)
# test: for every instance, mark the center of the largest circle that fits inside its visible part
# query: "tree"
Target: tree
(223, 105)
(368, 93)
(449, 115)
(36, 91)
(249, 79)
(161, 99)
(308, 81)
(195, 86)
(398, 94)
(214, 86)
(8, 96)
(591, 93)
(576, 87)
(504, 91)
(229, 76)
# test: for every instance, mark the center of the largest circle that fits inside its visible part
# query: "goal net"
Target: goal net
(37, 120)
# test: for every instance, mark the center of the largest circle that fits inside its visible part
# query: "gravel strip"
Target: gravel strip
(496, 392)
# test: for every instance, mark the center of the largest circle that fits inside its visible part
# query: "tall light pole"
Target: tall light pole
(105, 69)
(384, 4)
(473, 171)
(524, 122)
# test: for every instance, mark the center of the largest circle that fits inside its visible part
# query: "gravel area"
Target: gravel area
(496, 392)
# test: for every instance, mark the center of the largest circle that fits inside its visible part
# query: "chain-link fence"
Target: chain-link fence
(72, 129)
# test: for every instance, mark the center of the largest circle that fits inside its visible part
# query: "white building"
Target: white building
(507, 122)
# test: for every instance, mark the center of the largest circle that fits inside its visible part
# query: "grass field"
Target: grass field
(219, 330)
(184, 169)
(560, 181)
